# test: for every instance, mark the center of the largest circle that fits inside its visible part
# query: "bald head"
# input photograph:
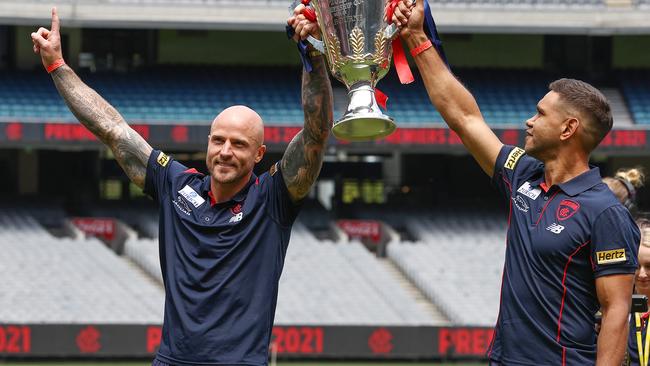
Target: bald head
(243, 119)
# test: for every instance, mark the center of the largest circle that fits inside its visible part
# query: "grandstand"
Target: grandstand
(63, 280)
(424, 285)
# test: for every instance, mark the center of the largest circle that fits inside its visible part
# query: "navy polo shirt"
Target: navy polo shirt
(221, 263)
(560, 239)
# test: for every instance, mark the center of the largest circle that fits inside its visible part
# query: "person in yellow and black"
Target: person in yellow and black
(638, 343)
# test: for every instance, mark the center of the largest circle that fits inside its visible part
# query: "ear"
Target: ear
(260, 153)
(569, 128)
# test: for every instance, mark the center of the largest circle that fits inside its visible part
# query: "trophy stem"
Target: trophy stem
(363, 119)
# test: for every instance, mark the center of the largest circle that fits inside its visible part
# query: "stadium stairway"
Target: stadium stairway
(414, 292)
(620, 111)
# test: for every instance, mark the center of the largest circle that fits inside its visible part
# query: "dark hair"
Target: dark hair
(589, 102)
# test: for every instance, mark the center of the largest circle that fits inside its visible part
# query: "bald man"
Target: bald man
(223, 236)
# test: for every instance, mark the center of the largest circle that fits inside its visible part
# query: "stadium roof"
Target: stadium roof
(458, 16)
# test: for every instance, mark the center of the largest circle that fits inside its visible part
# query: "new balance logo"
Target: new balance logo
(555, 228)
(237, 218)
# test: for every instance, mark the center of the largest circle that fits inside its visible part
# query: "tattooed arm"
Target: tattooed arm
(130, 149)
(303, 158)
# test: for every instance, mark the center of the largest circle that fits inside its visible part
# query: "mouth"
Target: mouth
(223, 165)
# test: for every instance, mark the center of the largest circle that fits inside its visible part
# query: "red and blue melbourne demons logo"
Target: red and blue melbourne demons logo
(567, 209)
(236, 209)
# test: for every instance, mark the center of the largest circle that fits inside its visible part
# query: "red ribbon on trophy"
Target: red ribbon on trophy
(399, 56)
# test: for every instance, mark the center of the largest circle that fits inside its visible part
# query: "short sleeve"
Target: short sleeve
(614, 242)
(279, 203)
(512, 161)
(161, 169)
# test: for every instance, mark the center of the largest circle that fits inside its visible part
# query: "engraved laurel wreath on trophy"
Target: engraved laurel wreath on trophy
(357, 44)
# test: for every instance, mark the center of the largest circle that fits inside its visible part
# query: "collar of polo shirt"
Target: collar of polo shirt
(238, 197)
(576, 185)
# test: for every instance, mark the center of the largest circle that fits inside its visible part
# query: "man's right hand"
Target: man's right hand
(47, 42)
(408, 18)
(302, 26)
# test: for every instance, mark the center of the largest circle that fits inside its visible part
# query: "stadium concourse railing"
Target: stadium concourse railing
(288, 342)
(632, 140)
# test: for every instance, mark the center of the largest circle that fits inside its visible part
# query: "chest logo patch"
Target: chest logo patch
(236, 209)
(611, 256)
(555, 228)
(182, 205)
(189, 194)
(567, 209)
(520, 203)
(513, 158)
(527, 190)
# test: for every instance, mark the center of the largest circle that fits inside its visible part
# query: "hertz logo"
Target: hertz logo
(162, 159)
(611, 256)
(513, 158)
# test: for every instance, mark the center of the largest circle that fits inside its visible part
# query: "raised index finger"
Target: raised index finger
(55, 20)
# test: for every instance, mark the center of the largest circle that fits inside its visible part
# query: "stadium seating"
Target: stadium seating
(325, 282)
(636, 88)
(457, 262)
(57, 280)
(341, 283)
(158, 96)
(196, 95)
(143, 218)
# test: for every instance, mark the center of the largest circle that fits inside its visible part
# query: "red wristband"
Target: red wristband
(54, 65)
(421, 48)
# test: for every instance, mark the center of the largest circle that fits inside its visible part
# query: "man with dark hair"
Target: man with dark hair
(224, 235)
(570, 245)
(582, 98)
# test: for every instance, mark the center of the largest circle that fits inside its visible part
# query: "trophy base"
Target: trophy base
(363, 127)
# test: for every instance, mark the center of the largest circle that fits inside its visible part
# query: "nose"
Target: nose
(529, 122)
(226, 149)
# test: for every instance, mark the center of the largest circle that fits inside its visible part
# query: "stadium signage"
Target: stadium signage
(287, 342)
(15, 340)
(361, 229)
(99, 227)
(192, 137)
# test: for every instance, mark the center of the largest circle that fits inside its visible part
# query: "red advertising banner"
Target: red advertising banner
(287, 341)
(193, 137)
(361, 229)
(99, 227)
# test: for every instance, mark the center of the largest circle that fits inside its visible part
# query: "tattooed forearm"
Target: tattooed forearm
(130, 149)
(303, 158)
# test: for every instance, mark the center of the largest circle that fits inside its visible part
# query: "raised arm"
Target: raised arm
(129, 148)
(303, 158)
(454, 102)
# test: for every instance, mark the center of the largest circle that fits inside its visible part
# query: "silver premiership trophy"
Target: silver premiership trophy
(357, 43)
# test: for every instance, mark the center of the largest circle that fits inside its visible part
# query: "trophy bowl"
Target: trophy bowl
(358, 52)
